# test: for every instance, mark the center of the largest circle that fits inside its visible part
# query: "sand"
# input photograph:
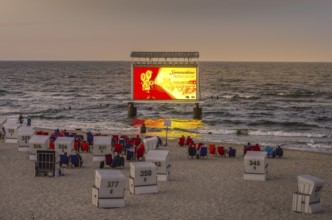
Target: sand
(211, 188)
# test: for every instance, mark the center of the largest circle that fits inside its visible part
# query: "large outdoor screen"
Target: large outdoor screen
(165, 83)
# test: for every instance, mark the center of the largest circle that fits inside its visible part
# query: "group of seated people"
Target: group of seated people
(271, 151)
(194, 149)
(185, 142)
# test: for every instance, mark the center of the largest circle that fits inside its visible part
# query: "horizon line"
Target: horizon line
(230, 61)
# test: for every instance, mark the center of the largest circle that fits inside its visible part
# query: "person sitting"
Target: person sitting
(76, 159)
(256, 148)
(85, 146)
(189, 140)
(279, 152)
(192, 150)
(246, 148)
(181, 141)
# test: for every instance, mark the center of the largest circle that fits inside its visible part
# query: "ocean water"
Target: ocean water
(287, 104)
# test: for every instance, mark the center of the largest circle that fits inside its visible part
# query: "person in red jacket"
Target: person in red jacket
(137, 140)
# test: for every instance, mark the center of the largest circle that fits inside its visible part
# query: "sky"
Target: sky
(220, 30)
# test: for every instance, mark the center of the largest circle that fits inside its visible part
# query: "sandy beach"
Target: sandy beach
(211, 188)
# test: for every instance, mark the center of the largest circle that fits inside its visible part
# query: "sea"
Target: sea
(268, 103)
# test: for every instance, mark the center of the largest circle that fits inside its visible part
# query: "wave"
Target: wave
(323, 119)
(3, 92)
(300, 94)
(285, 134)
(287, 124)
(256, 132)
(240, 97)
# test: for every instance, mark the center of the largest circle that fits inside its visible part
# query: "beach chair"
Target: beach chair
(85, 146)
(118, 161)
(212, 149)
(270, 151)
(221, 151)
(203, 152)
(181, 142)
(64, 159)
(76, 160)
(108, 160)
(192, 151)
(231, 152)
(279, 152)
(46, 163)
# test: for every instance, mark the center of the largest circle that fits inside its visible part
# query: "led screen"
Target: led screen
(164, 83)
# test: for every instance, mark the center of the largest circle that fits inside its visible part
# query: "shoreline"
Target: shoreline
(163, 137)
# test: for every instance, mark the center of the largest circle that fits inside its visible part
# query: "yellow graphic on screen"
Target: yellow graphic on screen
(180, 82)
(146, 82)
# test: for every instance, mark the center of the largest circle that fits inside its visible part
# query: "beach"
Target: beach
(211, 188)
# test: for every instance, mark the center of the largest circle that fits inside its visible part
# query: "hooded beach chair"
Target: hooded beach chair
(45, 163)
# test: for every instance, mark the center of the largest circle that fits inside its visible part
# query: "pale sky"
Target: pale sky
(221, 30)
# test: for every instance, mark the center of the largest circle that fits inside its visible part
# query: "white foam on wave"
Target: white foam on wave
(98, 127)
(284, 134)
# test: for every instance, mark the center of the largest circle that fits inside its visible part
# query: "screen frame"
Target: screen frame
(184, 65)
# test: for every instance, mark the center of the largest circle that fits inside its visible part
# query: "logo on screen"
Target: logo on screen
(147, 84)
